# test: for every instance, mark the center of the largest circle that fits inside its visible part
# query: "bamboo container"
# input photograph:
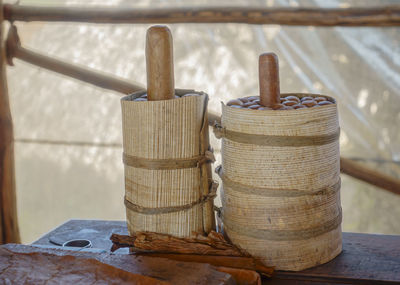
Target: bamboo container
(280, 172)
(168, 184)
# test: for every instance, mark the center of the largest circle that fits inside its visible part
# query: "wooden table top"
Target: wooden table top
(366, 258)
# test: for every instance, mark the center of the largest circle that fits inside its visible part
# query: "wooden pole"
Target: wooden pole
(268, 72)
(106, 81)
(382, 16)
(159, 64)
(9, 231)
(366, 174)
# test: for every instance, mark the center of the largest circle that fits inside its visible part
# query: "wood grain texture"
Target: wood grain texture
(159, 64)
(268, 72)
(366, 259)
(369, 175)
(247, 263)
(174, 272)
(8, 207)
(97, 231)
(381, 16)
(97, 78)
(242, 276)
(44, 268)
(213, 244)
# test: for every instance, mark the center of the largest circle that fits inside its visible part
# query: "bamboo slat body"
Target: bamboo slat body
(9, 231)
(166, 129)
(274, 218)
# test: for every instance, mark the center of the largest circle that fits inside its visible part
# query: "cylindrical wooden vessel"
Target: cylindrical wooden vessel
(168, 185)
(280, 173)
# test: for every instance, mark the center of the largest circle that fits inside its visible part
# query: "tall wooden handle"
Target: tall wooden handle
(159, 63)
(269, 79)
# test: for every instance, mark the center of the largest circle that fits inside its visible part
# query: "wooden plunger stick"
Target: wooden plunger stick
(159, 64)
(269, 79)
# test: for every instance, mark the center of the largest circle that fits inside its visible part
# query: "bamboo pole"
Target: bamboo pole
(9, 231)
(382, 16)
(366, 174)
(106, 81)
(14, 49)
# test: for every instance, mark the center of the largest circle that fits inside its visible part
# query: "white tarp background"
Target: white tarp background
(360, 67)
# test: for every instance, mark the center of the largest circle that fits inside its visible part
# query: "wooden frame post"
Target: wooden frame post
(382, 16)
(9, 232)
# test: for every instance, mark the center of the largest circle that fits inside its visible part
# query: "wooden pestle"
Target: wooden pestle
(159, 64)
(269, 79)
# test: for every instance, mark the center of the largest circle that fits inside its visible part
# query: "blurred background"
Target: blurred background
(360, 67)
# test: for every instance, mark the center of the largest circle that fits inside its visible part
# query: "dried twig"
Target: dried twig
(212, 249)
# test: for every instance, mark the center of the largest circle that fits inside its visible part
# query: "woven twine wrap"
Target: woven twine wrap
(167, 177)
(280, 196)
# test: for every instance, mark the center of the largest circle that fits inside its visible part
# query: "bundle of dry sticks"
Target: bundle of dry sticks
(213, 249)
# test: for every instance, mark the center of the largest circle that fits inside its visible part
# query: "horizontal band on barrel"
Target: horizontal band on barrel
(165, 210)
(164, 164)
(270, 140)
(284, 235)
(269, 192)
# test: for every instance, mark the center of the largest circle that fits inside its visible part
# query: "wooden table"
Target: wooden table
(366, 258)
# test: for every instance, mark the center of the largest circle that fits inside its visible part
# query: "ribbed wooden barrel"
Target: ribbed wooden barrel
(167, 171)
(280, 172)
